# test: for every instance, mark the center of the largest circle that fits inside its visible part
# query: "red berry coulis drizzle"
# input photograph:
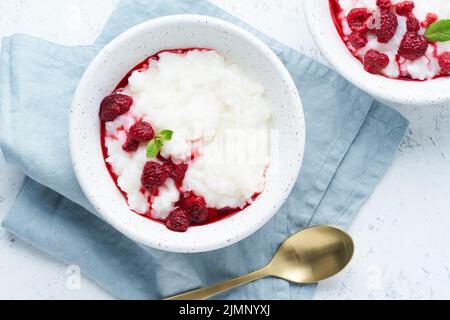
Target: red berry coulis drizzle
(214, 214)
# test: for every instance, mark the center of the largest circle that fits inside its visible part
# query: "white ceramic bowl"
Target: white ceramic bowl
(320, 22)
(120, 56)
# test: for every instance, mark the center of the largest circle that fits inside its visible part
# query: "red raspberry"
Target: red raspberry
(444, 62)
(176, 171)
(431, 18)
(357, 18)
(130, 145)
(178, 220)
(413, 46)
(388, 26)
(153, 176)
(195, 206)
(114, 105)
(358, 40)
(142, 132)
(404, 8)
(384, 4)
(375, 61)
(412, 24)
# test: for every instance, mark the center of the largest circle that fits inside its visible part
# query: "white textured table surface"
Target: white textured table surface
(401, 233)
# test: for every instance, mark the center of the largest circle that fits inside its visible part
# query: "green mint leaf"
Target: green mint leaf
(165, 135)
(153, 147)
(438, 31)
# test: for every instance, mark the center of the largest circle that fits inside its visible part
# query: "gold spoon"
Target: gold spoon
(309, 256)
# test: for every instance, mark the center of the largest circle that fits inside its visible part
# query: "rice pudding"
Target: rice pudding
(390, 37)
(169, 132)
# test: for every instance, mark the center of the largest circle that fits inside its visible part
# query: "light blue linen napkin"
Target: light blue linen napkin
(351, 140)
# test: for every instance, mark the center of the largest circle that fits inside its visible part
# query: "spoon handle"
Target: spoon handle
(205, 293)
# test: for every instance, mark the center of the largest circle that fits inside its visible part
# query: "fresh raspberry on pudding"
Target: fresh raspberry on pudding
(176, 171)
(384, 4)
(358, 40)
(142, 132)
(404, 8)
(114, 106)
(357, 18)
(195, 206)
(178, 220)
(130, 145)
(388, 26)
(412, 24)
(431, 18)
(413, 46)
(154, 175)
(444, 62)
(375, 61)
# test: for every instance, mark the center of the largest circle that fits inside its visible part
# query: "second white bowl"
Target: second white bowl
(320, 22)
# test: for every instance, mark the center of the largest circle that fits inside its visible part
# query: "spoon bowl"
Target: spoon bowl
(309, 256)
(312, 255)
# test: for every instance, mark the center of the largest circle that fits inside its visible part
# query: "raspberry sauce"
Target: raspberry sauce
(214, 214)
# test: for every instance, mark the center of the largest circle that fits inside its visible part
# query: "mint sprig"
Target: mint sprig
(155, 145)
(438, 31)
(166, 135)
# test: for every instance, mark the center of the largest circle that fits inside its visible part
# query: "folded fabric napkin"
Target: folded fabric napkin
(350, 141)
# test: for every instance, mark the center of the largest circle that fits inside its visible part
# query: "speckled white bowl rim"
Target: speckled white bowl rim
(123, 53)
(320, 22)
